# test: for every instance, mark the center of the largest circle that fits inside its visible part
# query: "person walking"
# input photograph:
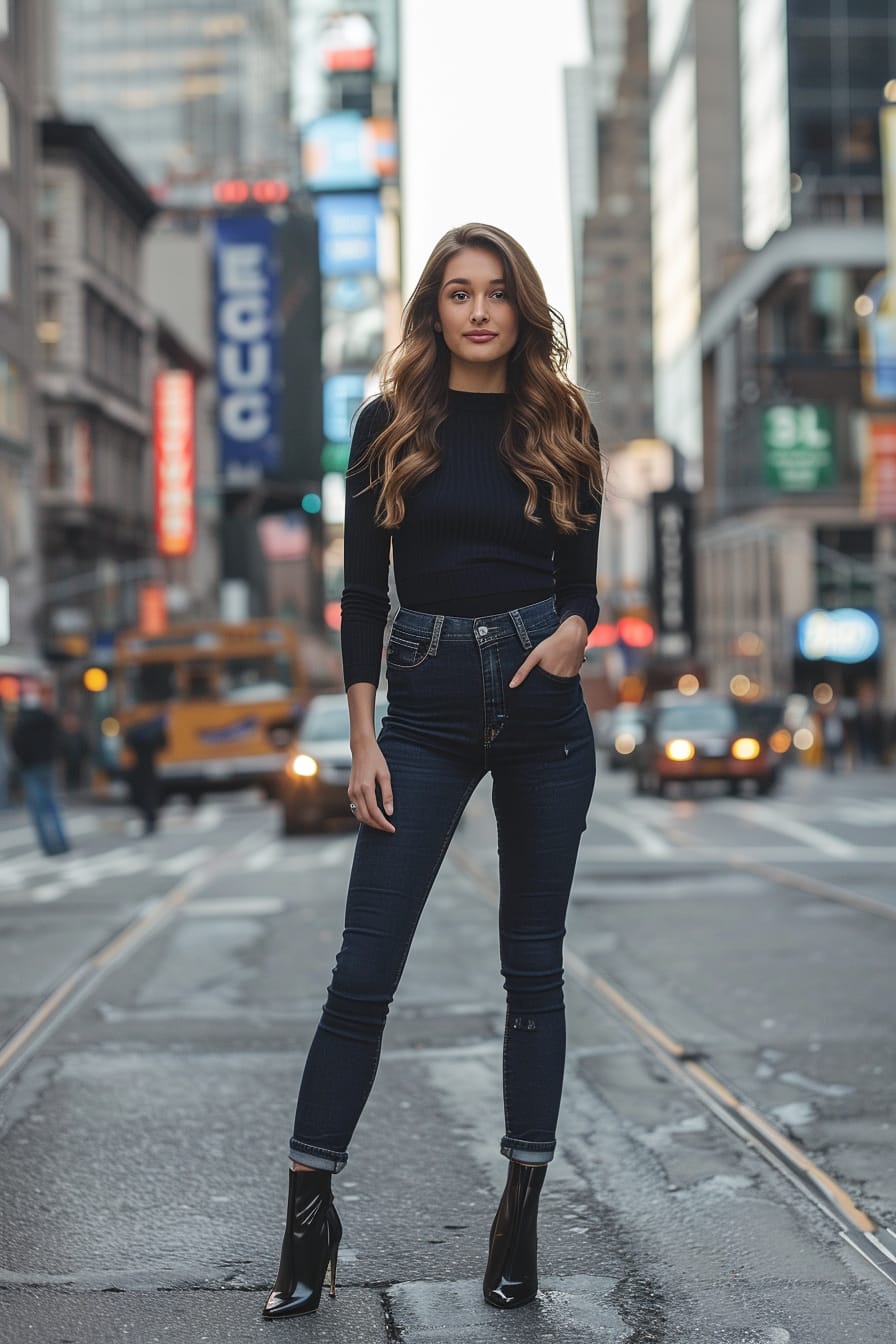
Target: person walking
(478, 464)
(74, 748)
(146, 738)
(35, 744)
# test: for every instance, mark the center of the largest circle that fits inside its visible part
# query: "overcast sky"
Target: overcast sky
(483, 126)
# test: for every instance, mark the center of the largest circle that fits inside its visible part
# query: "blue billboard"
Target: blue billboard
(248, 347)
(348, 233)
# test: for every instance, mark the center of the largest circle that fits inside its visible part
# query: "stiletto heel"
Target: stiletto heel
(511, 1274)
(310, 1243)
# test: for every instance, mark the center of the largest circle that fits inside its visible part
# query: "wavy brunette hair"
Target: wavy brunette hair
(547, 442)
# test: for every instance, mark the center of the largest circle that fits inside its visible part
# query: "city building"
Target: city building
(695, 184)
(96, 334)
(792, 520)
(345, 104)
(19, 559)
(192, 95)
(615, 310)
(615, 337)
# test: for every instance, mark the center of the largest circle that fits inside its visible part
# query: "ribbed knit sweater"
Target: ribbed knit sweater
(465, 547)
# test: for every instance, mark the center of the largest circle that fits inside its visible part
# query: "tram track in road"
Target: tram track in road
(868, 1237)
(78, 983)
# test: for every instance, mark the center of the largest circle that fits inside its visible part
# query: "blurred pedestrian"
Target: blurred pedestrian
(35, 743)
(480, 466)
(832, 736)
(868, 727)
(74, 747)
(4, 760)
(146, 738)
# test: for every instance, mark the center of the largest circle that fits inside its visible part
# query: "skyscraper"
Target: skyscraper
(795, 451)
(190, 93)
(18, 562)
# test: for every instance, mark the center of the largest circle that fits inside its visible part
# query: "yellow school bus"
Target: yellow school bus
(232, 695)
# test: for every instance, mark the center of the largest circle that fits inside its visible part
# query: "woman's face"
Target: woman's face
(479, 322)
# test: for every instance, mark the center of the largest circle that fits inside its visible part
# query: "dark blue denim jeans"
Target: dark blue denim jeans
(451, 719)
(40, 797)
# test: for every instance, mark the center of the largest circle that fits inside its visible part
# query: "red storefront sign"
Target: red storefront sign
(175, 465)
(152, 609)
(883, 450)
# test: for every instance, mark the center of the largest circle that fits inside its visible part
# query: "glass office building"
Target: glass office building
(190, 93)
(812, 80)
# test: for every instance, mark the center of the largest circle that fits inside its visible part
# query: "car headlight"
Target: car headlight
(745, 749)
(624, 744)
(303, 766)
(680, 749)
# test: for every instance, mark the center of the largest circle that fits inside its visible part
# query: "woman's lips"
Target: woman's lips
(480, 337)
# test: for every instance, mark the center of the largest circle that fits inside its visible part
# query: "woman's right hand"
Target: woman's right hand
(369, 772)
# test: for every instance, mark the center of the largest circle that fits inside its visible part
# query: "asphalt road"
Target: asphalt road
(726, 1171)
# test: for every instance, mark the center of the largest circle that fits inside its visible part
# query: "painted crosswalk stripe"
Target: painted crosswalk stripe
(645, 839)
(770, 817)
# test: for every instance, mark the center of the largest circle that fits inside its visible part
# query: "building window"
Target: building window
(4, 20)
(54, 466)
(47, 208)
(49, 328)
(6, 261)
(6, 136)
(13, 420)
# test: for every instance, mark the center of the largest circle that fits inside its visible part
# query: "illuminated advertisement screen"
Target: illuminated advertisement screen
(175, 463)
(340, 151)
(348, 233)
(248, 347)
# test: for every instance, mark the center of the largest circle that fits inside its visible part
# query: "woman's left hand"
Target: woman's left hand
(562, 653)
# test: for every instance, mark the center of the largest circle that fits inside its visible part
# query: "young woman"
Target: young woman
(480, 467)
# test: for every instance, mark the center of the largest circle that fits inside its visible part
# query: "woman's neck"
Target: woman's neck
(484, 378)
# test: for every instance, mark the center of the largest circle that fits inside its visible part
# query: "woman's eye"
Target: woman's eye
(499, 294)
(459, 294)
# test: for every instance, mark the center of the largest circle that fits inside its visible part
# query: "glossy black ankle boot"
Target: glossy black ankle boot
(310, 1243)
(511, 1275)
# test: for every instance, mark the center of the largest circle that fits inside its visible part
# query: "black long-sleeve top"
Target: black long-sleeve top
(465, 546)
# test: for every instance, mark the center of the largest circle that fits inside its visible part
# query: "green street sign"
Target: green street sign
(798, 447)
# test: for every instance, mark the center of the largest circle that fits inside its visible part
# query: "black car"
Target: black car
(314, 782)
(698, 737)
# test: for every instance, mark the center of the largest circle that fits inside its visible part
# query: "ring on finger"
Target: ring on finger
(353, 807)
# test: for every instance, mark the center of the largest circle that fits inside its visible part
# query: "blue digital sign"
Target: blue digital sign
(348, 233)
(248, 348)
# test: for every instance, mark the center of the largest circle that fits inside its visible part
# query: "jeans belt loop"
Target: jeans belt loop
(436, 636)
(521, 630)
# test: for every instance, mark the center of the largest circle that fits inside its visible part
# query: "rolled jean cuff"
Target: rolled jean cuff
(322, 1159)
(535, 1154)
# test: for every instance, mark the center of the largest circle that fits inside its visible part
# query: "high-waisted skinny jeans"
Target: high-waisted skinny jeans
(452, 718)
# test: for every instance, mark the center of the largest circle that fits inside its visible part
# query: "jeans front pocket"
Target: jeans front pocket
(405, 651)
(552, 676)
